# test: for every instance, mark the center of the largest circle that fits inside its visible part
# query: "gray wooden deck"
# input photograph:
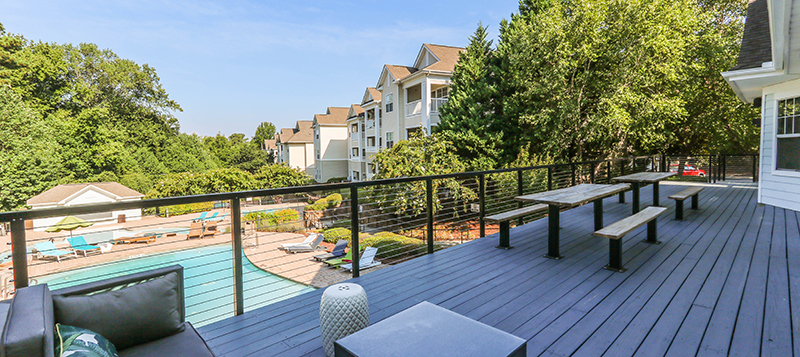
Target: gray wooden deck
(722, 283)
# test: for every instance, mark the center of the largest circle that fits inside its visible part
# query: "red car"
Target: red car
(688, 170)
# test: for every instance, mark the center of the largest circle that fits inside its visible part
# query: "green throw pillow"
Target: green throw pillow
(79, 342)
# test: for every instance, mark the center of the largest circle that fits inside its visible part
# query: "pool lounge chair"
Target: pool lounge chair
(367, 260)
(211, 218)
(306, 247)
(79, 244)
(337, 251)
(310, 238)
(347, 258)
(218, 219)
(198, 231)
(202, 217)
(49, 250)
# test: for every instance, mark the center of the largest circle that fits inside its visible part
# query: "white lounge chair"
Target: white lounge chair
(308, 245)
(366, 261)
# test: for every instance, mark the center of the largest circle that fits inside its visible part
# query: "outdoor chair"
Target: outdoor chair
(49, 250)
(202, 217)
(79, 244)
(337, 251)
(211, 218)
(218, 219)
(367, 260)
(306, 247)
(310, 238)
(347, 258)
(195, 230)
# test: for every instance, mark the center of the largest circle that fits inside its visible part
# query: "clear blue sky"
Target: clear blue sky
(233, 64)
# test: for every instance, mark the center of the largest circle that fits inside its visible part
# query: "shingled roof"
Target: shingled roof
(302, 133)
(448, 57)
(61, 192)
(335, 116)
(400, 72)
(756, 44)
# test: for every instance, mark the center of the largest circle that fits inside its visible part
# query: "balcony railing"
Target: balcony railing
(437, 103)
(414, 108)
(390, 214)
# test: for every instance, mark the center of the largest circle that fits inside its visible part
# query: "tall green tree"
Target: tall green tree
(472, 107)
(265, 131)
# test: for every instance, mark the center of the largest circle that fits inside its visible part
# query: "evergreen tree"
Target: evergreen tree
(470, 109)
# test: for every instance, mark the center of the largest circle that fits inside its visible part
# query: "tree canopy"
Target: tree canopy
(585, 79)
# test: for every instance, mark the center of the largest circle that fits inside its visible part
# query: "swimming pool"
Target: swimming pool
(208, 280)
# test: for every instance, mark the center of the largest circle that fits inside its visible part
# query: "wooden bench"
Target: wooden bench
(504, 219)
(619, 229)
(682, 196)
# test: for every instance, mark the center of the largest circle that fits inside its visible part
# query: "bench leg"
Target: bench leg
(622, 197)
(615, 256)
(652, 233)
(552, 232)
(598, 214)
(505, 239)
(694, 201)
(679, 210)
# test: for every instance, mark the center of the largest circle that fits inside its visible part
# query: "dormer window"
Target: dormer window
(389, 103)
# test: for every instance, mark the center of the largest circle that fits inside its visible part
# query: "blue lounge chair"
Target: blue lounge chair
(217, 219)
(48, 249)
(212, 217)
(202, 217)
(79, 244)
(338, 251)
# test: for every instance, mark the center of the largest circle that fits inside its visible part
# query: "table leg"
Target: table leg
(552, 232)
(655, 194)
(598, 214)
(635, 202)
(622, 197)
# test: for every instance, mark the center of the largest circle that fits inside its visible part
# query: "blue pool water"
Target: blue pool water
(208, 280)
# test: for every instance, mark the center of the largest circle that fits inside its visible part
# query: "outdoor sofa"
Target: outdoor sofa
(145, 317)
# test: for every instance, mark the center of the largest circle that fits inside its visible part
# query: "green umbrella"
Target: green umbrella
(69, 223)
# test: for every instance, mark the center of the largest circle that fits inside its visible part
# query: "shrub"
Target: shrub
(186, 209)
(392, 245)
(285, 220)
(334, 200)
(331, 201)
(333, 235)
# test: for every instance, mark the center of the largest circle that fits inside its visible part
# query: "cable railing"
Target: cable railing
(229, 242)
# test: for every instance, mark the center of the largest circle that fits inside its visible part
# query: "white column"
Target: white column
(426, 104)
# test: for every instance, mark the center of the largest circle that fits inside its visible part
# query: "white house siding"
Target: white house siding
(84, 198)
(776, 187)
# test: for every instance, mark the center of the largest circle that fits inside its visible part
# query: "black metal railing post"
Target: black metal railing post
(19, 253)
(549, 178)
(482, 197)
(429, 193)
(608, 171)
(520, 193)
(622, 173)
(724, 166)
(591, 173)
(354, 229)
(238, 274)
(755, 157)
(663, 163)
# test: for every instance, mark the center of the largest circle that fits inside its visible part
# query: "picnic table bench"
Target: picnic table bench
(617, 230)
(572, 197)
(682, 196)
(637, 180)
(504, 220)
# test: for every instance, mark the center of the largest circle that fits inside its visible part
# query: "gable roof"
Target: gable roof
(447, 57)
(334, 116)
(756, 43)
(270, 144)
(302, 132)
(285, 135)
(400, 72)
(62, 192)
(355, 111)
(371, 95)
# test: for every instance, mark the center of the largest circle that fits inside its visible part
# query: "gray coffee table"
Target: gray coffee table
(429, 330)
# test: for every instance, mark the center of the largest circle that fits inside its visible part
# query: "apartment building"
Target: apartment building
(296, 146)
(405, 99)
(330, 143)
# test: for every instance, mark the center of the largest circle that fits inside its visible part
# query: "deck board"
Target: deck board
(723, 282)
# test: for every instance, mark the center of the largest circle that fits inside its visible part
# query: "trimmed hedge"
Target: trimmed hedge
(333, 235)
(187, 208)
(392, 245)
(285, 220)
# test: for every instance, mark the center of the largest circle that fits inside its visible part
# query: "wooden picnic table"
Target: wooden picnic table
(572, 197)
(637, 180)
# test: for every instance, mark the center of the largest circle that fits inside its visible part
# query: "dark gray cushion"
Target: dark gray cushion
(29, 326)
(187, 343)
(129, 316)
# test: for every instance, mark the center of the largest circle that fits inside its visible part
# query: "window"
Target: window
(389, 140)
(389, 103)
(370, 141)
(788, 129)
(317, 154)
(440, 92)
(370, 114)
(372, 169)
(354, 128)
(355, 152)
(356, 176)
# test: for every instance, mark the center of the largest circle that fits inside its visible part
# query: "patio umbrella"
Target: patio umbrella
(69, 223)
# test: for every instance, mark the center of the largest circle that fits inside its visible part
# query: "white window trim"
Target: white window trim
(775, 136)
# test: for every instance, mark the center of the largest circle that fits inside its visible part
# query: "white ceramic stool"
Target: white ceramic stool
(343, 310)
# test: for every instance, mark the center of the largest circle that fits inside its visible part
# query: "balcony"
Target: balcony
(414, 108)
(723, 281)
(437, 103)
